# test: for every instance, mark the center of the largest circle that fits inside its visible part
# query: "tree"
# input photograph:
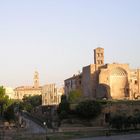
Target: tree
(135, 121)
(30, 102)
(33, 100)
(4, 100)
(63, 108)
(63, 98)
(74, 96)
(88, 109)
(9, 113)
(2, 92)
(127, 121)
(121, 121)
(116, 121)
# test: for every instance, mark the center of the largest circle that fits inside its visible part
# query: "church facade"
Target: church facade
(109, 81)
(51, 95)
(22, 91)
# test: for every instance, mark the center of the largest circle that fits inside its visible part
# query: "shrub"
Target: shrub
(117, 122)
(88, 109)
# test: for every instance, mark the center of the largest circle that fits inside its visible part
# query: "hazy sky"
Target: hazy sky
(57, 37)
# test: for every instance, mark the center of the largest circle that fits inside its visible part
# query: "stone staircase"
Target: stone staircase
(1, 129)
(5, 133)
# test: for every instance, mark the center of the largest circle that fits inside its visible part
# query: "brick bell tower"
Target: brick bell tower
(99, 57)
(36, 79)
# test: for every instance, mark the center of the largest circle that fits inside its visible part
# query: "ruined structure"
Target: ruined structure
(109, 81)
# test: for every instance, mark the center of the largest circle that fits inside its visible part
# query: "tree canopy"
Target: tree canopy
(5, 104)
(88, 109)
(63, 108)
(74, 96)
(30, 102)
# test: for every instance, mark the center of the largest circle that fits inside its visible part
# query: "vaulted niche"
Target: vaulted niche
(118, 83)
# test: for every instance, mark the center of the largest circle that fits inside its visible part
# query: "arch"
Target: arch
(119, 83)
(103, 91)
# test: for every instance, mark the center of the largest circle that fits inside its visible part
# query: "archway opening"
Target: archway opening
(118, 83)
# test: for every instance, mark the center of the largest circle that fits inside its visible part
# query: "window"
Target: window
(45, 101)
(136, 82)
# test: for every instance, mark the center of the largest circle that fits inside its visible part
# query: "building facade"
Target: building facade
(9, 91)
(110, 81)
(73, 83)
(51, 95)
(22, 91)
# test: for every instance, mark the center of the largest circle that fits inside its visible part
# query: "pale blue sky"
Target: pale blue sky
(57, 37)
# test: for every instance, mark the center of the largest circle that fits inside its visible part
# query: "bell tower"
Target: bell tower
(99, 56)
(36, 79)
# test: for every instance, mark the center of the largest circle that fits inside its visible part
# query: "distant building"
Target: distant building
(51, 95)
(22, 91)
(10, 92)
(73, 83)
(110, 81)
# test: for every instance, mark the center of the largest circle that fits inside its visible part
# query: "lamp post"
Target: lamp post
(45, 124)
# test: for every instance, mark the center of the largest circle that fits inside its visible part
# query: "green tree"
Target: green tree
(2, 92)
(116, 121)
(4, 100)
(63, 98)
(127, 121)
(74, 96)
(135, 121)
(88, 109)
(30, 102)
(33, 100)
(63, 108)
(121, 121)
(9, 113)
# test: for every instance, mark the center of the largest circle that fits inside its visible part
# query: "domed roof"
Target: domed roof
(118, 72)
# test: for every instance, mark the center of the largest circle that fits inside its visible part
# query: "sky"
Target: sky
(57, 37)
